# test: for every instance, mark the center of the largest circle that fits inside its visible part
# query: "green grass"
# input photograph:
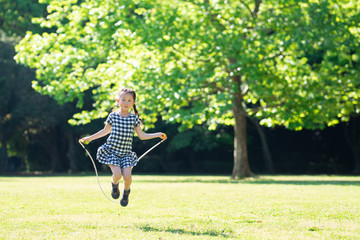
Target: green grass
(182, 207)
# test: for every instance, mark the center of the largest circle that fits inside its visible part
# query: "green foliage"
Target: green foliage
(16, 15)
(28, 118)
(296, 63)
(199, 139)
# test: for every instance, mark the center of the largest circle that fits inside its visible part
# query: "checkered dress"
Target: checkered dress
(117, 149)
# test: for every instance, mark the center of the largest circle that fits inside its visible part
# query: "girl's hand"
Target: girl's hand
(85, 140)
(163, 136)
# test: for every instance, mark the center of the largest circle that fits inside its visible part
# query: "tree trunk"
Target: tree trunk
(49, 141)
(56, 164)
(241, 164)
(193, 162)
(265, 147)
(352, 136)
(71, 152)
(3, 155)
(356, 153)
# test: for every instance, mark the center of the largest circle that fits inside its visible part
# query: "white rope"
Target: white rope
(97, 176)
(151, 149)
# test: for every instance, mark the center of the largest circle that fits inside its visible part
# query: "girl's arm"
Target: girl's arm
(103, 132)
(146, 136)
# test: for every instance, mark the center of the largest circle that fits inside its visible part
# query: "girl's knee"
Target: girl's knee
(116, 172)
(117, 175)
(127, 177)
(126, 174)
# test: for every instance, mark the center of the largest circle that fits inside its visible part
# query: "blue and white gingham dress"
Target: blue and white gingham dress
(118, 148)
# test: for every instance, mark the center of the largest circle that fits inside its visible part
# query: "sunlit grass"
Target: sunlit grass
(182, 207)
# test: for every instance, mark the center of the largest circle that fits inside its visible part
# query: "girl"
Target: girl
(117, 151)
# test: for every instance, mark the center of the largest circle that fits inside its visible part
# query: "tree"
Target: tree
(286, 63)
(25, 112)
(16, 15)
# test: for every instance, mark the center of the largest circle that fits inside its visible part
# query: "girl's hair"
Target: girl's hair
(131, 91)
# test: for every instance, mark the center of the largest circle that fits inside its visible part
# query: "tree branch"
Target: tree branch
(215, 89)
(245, 90)
(274, 56)
(186, 56)
(257, 7)
(257, 109)
(281, 8)
(248, 8)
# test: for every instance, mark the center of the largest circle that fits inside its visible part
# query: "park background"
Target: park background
(36, 135)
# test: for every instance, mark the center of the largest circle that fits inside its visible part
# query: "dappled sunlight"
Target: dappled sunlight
(263, 179)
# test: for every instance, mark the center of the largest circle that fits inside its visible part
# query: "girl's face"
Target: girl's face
(126, 101)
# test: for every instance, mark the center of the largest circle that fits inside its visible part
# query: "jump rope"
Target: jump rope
(96, 172)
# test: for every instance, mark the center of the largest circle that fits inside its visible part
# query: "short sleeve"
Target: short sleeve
(137, 121)
(109, 119)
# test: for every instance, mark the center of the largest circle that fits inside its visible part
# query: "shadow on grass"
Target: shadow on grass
(200, 179)
(306, 182)
(212, 233)
(259, 181)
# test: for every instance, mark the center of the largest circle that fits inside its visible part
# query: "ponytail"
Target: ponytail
(137, 114)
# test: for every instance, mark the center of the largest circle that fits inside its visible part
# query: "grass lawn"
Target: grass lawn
(181, 207)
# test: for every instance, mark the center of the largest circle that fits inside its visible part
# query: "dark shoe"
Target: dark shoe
(115, 193)
(125, 198)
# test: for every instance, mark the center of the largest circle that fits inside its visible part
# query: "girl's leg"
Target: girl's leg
(126, 172)
(116, 173)
(116, 170)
